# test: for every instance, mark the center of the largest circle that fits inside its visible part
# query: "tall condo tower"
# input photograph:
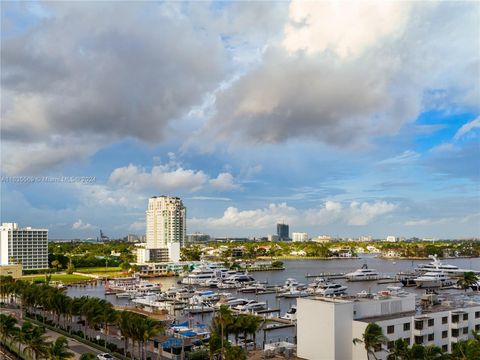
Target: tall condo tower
(283, 231)
(166, 222)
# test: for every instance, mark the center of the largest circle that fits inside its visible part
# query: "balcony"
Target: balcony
(460, 324)
(421, 332)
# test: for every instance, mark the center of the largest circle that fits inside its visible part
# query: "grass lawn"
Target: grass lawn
(64, 278)
(99, 270)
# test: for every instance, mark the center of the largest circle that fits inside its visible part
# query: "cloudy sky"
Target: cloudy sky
(342, 118)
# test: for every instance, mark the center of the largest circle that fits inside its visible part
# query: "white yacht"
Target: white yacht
(295, 293)
(199, 275)
(251, 305)
(239, 279)
(363, 274)
(330, 289)
(433, 279)
(437, 266)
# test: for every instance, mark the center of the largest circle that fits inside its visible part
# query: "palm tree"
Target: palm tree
(58, 350)
(372, 339)
(223, 319)
(468, 279)
(254, 324)
(7, 327)
(125, 325)
(148, 329)
(399, 351)
(35, 341)
(235, 353)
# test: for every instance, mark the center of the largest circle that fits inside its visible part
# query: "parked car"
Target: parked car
(105, 356)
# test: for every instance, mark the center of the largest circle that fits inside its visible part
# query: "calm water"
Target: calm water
(297, 269)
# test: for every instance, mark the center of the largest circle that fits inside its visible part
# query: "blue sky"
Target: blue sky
(339, 118)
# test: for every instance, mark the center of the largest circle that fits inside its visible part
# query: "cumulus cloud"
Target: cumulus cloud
(224, 181)
(170, 177)
(80, 225)
(345, 87)
(93, 69)
(354, 214)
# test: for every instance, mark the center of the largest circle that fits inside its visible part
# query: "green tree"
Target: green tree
(88, 356)
(7, 327)
(235, 353)
(59, 349)
(468, 279)
(35, 341)
(399, 351)
(372, 339)
(222, 320)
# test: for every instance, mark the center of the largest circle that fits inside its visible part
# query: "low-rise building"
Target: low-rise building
(322, 238)
(15, 271)
(299, 237)
(326, 327)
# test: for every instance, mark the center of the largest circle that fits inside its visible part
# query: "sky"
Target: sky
(336, 117)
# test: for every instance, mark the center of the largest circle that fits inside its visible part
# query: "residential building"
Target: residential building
(299, 237)
(272, 237)
(365, 238)
(166, 221)
(323, 238)
(326, 327)
(283, 232)
(25, 246)
(15, 271)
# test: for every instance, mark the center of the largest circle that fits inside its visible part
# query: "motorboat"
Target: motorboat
(212, 283)
(331, 289)
(251, 306)
(207, 295)
(253, 288)
(363, 274)
(291, 314)
(232, 303)
(295, 293)
(199, 275)
(239, 279)
(407, 278)
(433, 279)
(316, 282)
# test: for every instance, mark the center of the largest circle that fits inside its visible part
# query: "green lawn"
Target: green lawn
(64, 278)
(99, 270)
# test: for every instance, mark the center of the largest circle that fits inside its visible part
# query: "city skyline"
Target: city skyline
(343, 120)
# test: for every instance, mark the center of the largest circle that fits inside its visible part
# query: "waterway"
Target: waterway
(298, 269)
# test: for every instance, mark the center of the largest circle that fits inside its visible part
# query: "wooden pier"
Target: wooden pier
(327, 275)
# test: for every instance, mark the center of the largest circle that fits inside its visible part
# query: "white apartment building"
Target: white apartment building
(25, 246)
(299, 237)
(326, 327)
(166, 221)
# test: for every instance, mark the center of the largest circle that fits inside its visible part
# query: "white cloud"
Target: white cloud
(80, 225)
(346, 27)
(224, 181)
(407, 157)
(355, 214)
(474, 124)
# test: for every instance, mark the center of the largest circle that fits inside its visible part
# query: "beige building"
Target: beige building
(166, 221)
(15, 271)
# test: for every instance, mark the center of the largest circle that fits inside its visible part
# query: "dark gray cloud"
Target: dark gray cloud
(123, 70)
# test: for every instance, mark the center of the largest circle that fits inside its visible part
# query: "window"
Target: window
(430, 337)
(465, 316)
(455, 318)
(418, 324)
(390, 329)
(477, 314)
(406, 326)
(465, 330)
(444, 334)
(419, 340)
(455, 332)
(390, 345)
(445, 348)
(431, 322)
(477, 327)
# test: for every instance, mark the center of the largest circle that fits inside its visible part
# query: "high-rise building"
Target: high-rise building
(283, 232)
(299, 237)
(26, 246)
(166, 221)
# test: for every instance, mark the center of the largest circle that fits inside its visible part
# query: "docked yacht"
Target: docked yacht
(331, 289)
(251, 306)
(437, 266)
(295, 293)
(239, 279)
(363, 274)
(253, 288)
(476, 286)
(433, 279)
(199, 275)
